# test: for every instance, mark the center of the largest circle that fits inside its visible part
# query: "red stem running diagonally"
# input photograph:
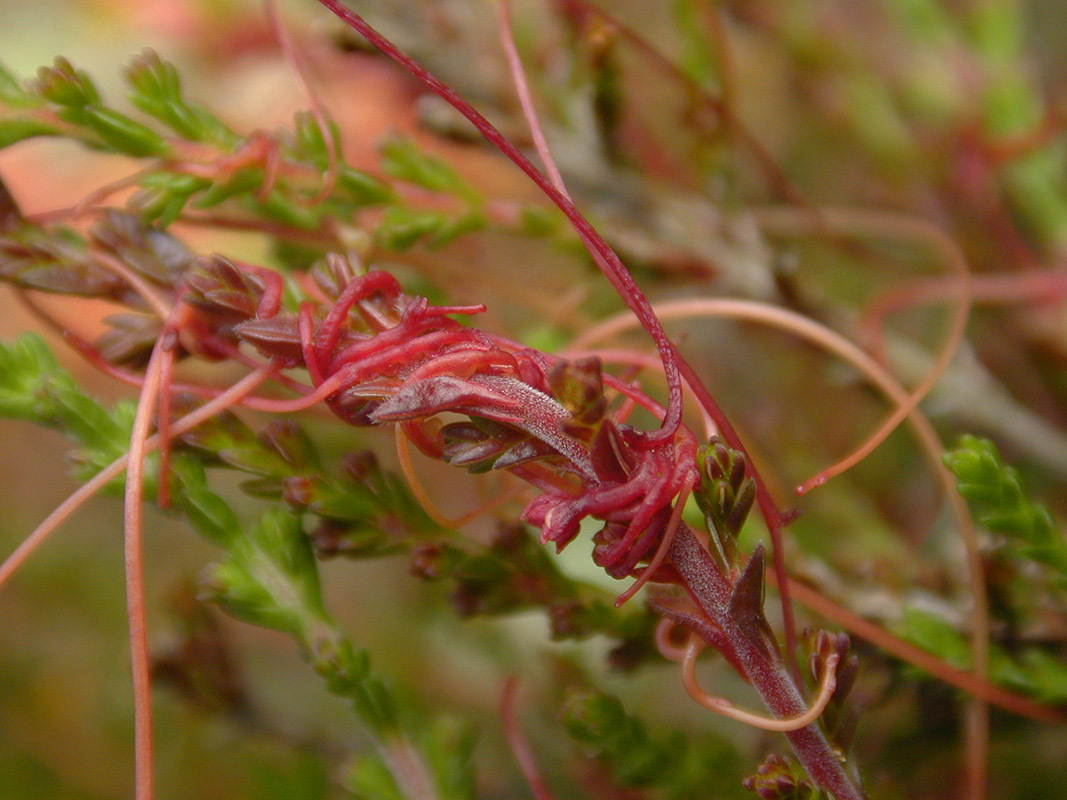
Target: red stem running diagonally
(674, 366)
(761, 664)
(614, 270)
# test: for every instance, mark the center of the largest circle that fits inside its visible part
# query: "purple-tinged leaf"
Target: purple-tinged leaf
(746, 602)
(129, 339)
(155, 254)
(527, 450)
(277, 336)
(45, 260)
(611, 461)
(542, 416)
(429, 396)
(216, 285)
(579, 387)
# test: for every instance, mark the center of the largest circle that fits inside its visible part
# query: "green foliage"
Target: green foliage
(208, 513)
(15, 129)
(402, 159)
(79, 104)
(361, 188)
(155, 88)
(515, 573)
(33, 387)
(403, 227)
(725, 494)
(1002, 505)
(242, 162)
(448, 745)
(118, 132)
(12, 93)
(1026, 532)
(164, 195)
(675, 764)
(936, 634)
(28, 371)
(1030, 670)
(310, 142)
(368, 778)
(244, 165)
(64, 85)
(365, 511)
(697, 54)
(269, 577)
(306, 779)
(539, 222)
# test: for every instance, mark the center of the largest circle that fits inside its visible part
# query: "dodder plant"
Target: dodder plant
(331, 330)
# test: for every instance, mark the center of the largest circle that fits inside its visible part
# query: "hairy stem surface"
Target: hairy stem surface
(761, 663)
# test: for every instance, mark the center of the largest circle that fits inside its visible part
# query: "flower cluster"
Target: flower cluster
(381, 356)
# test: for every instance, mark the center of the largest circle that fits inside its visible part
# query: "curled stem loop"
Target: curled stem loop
(721, 705)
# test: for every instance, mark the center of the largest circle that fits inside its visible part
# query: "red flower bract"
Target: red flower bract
(397, 359)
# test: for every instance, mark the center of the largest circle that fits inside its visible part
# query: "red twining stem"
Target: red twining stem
(606, 259)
